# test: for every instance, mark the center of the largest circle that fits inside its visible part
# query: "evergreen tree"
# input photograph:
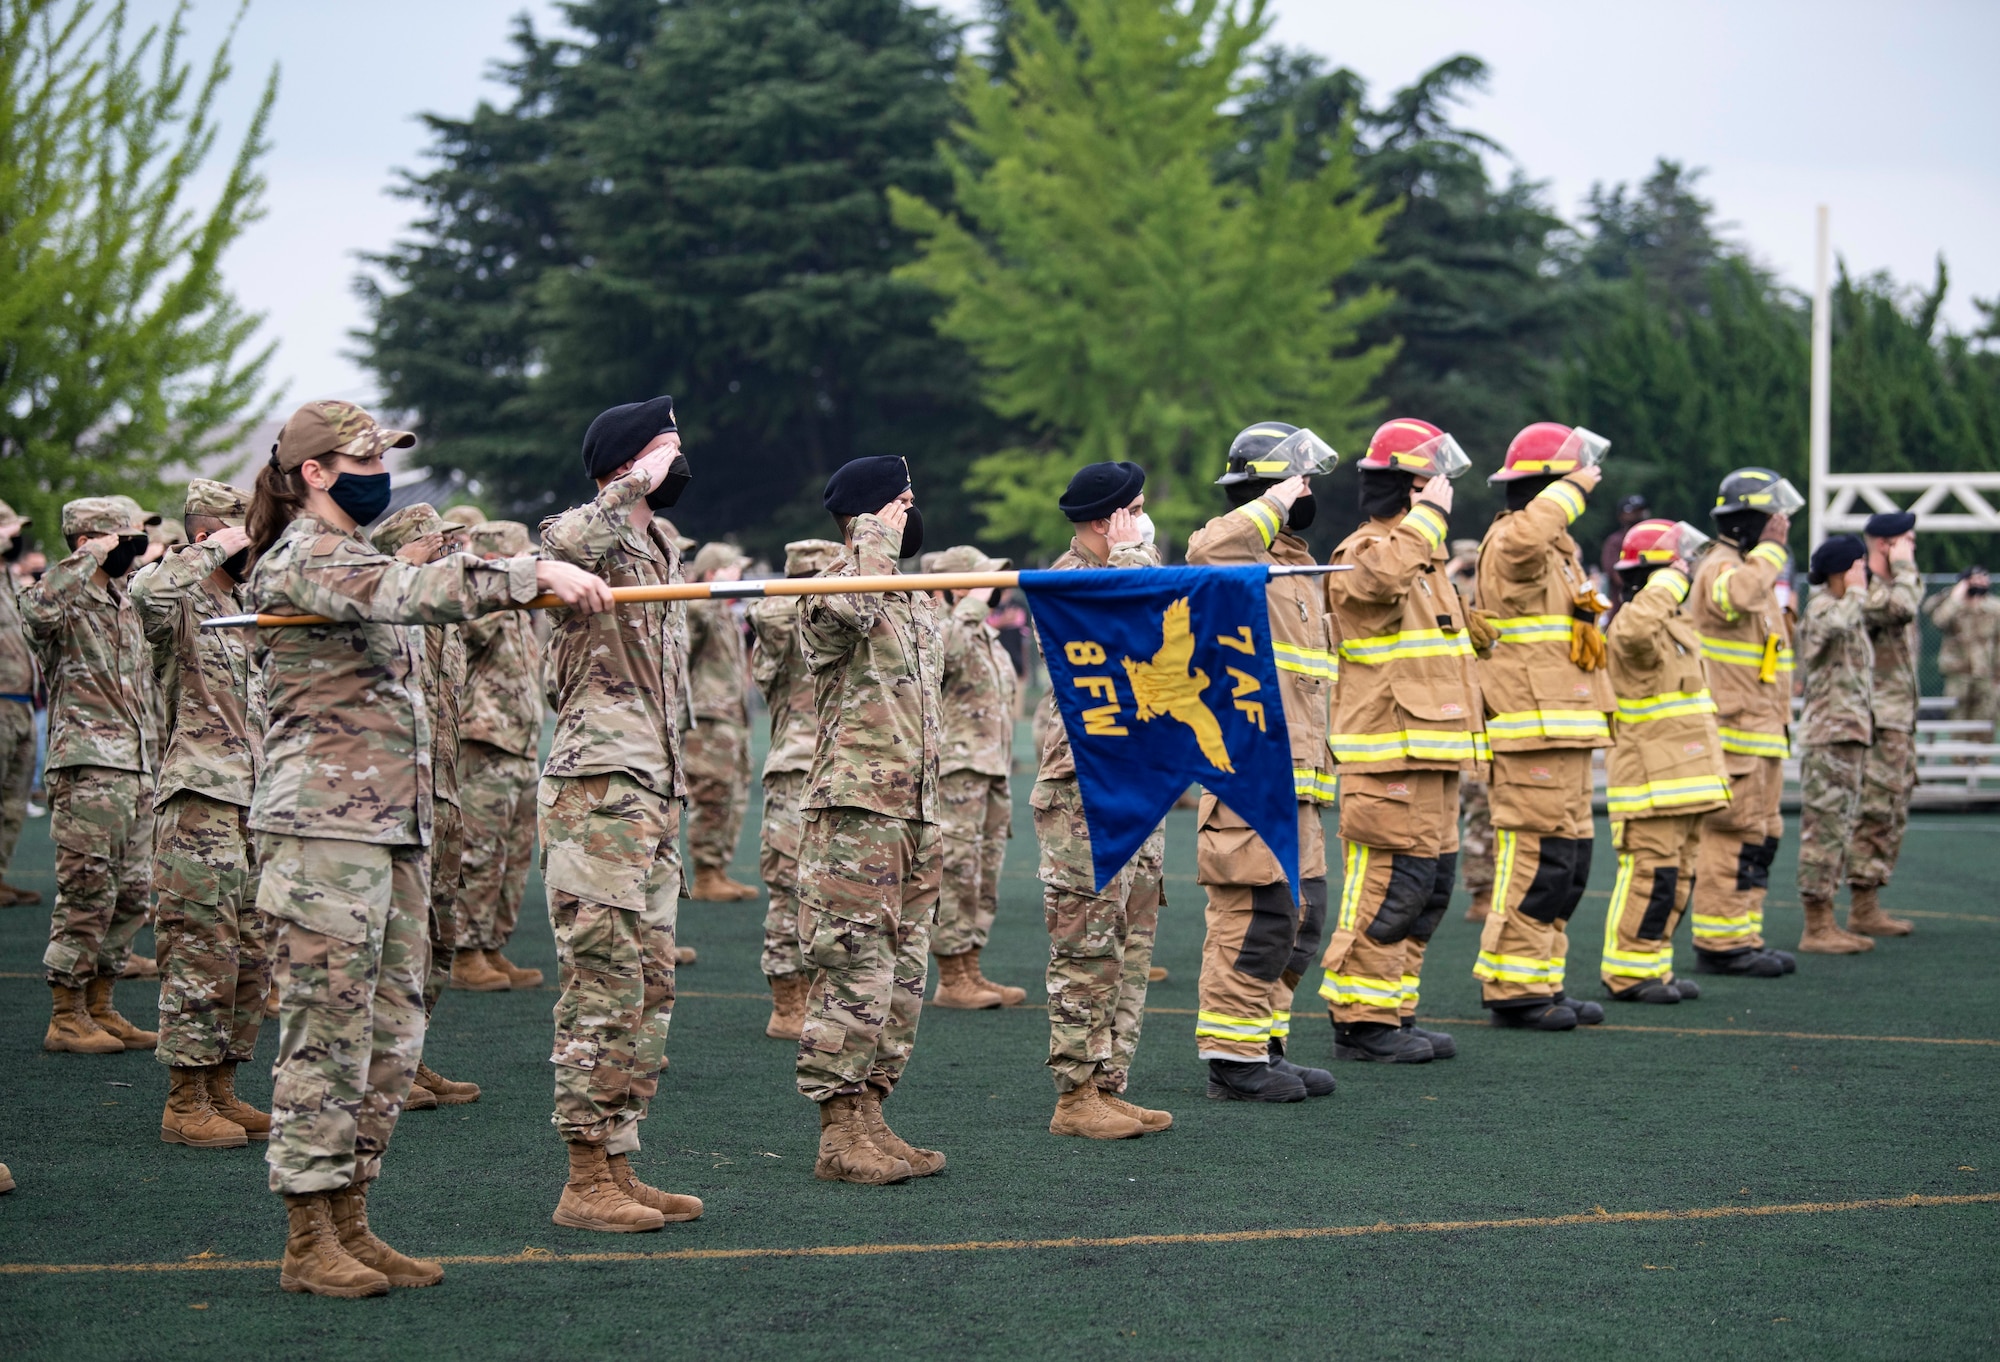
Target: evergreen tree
(1124, 299)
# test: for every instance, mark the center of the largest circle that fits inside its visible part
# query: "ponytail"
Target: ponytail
(275, 501)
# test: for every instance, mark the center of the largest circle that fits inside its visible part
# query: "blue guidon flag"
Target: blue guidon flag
(1165, 676)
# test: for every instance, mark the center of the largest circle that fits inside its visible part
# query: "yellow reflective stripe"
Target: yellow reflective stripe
(1749, 743)
(1306, 661)
(1735, 654)
(1718, 592)
(1355, 871)
(1427, 521)
(1503, 870)
(1373, 652)
(1671, 705)
(1627, 865)
(1281, 1025)
(1713, 927)
(1410, 982)
(1315, 785)
(1221, 1026)
(1481, 749)
(1566, 495)
(1493, 967)
(1549, 723)
(1533, 629)
(1674, 580)
(1357, 990)
(1263, 517)
(1774, 554)
(1661, 794)
(1418, 744)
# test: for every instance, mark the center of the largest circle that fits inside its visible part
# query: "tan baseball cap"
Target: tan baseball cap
(412, 522)
(963, 558)
(806, 557)
(147, 519)
(504, 537)
(102, 515)
(717, 554)
(218, 501)
(169, 531)
(11, 518)
(333, 427)
(465, 515)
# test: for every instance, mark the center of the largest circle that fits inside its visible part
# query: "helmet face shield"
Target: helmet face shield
(1784, 498)
(1300, 454)
(1439, 458)
(1587, 448)
(1689, 543)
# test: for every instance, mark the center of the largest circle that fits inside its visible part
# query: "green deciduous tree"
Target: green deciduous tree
(122, 354)
(1125, 298)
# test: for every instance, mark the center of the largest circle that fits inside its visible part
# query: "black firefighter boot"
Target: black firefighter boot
(1646, 991)
(1251, 1080)
(1442, 1045)
(1380, 1043)
(1532, 1014)
(1587, 1014)
(1747, 961)
(1319, 1083)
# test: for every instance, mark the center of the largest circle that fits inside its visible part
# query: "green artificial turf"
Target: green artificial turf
(1519, 1126)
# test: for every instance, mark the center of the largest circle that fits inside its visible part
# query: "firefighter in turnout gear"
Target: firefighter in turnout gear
(1406, 727)
(1548, 698)
(1747, 647)
(1666, 766)
(1260, 943)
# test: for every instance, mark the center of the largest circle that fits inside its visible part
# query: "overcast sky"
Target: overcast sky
(1885, 112)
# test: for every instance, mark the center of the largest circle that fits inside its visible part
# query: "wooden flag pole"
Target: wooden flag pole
(773, 586)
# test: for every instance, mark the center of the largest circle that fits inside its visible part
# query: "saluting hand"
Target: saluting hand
(581, 591)
(659, 456)
(99, 546)
(894, 514)
(1435, 492)
(1123, 528)
(1776, 530)
(1586, 478)
(233, 538)
(1288, 491)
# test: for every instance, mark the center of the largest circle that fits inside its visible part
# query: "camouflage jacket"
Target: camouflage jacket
(503, 687)
(99, 670)
(717, 669)
(1058, 763)
(1839, 664)
(978, 690)
(1970, 629)
(1891, 610)
(347, 754)
(215, 718)
(877, 665)
(619, 677)
(444, 678)
(778, 666)
(17, 663)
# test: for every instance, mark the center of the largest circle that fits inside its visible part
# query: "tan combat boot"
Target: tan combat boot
(139, 967)
(1482, 905)
(1083, 1111)
(1009, 995)
(6, 1179)
(591, 1200)
(71, 1029)
(1156, 973)
(711, 885)
(314, 1260)
(349, 1207)
(923, 1162)
(672, 1206)
(97, 997)
(684, 955)
(448, 1093)
(421, 1098)
(191, 1119)
(1866, 918)
(271, 1003)
(518, 977)
(847, 1154)
(788, 1006)
(471, 971)
(959, 984)
(1822, 936)
(1147, 1117)
(13, 896)
(222, 1096)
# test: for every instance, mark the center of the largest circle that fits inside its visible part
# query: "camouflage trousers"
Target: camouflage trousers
(868, 892)
(1885, 808)
(17, 773)
(611, 860)
(1100, 944)
(1977, 697)
(1475, 838)
(1656, 860)
(976, 821)
(446, 930)
(496, 792)
(778, 863)
(350, 1004)
(102, 823)
(1830, 782)
(717, 762)
(212, 941)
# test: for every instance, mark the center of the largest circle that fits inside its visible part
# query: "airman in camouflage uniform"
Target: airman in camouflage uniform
(1836, 728)
(973, 791)
(214, 946)
(417, 534)
(718, 748)
(610, 809)
(1968, 617)
(17, 710)
(1894, 592)
(500, 733)
(868, 851)
(779, 669)
(103, 749)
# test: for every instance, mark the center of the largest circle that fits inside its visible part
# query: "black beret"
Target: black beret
(1889, 524)
(617, 436)
(1834, 557)
(1098, 489)
(861, 486)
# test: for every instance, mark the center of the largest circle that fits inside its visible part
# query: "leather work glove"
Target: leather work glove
(1586, 646)
(1479, 629)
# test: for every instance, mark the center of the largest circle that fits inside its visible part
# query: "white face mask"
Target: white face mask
(1146, 531)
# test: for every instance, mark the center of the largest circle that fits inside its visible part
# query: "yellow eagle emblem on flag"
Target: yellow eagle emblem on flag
(1166, 686)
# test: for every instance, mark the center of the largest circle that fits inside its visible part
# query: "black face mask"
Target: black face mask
(119, 561)
(1303, 510)
(362, 495)
(679, 475)
(237, 565)
(15, 550)
(1973, 590)
(913, 534)
(1385, 493)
